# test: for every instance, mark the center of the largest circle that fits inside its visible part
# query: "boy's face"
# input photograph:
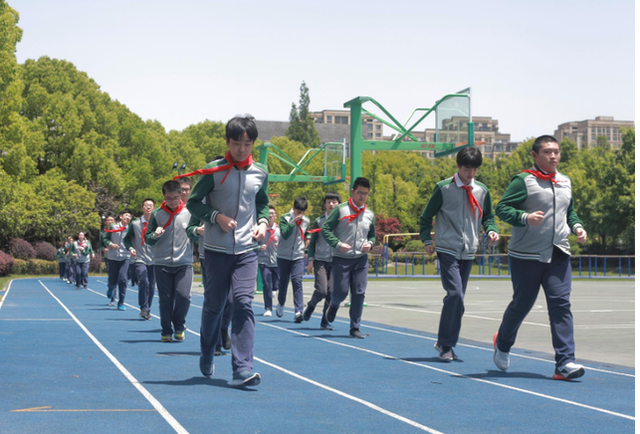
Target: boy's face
(548, 157)
(359, 195)
(467, 174)
(81, 236)
(172, 199)
(147, 207)
(109, 221)
(272, 216)
(298, 212)
(240, 149)
(125, 218)
(330, 204)
(185, 190)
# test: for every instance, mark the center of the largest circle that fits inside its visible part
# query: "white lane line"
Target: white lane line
(6, 294)
(148, 396)
(387, 356)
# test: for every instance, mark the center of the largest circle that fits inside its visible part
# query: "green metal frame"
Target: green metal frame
(298, 174)
(358, 144)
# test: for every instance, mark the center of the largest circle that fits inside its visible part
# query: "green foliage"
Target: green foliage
(301, 125)
(34, 267)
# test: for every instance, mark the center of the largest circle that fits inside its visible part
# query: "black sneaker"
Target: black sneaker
(226, 339)
(326, 327)
(445, 353)
(206, 366)
(356, 333)
(298, 318)
(306, 315)
(331, 313)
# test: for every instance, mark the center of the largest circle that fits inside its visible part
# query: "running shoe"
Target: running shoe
(500, 358)
(166, 338)
(267, 312)
(307, 312)
(206, 366)
(298, 318)
(179, 336)
(245, 378)
(356, 333)
(445, 353)
(279, 310)
(569, 371)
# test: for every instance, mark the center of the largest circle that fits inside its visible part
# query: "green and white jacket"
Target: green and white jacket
(458, 226)
(527, 194)
(355, 233)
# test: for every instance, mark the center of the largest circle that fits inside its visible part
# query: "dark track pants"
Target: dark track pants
(270, 279)
(118, 279)
(454, 274)
(350, 274)
(174, 293)
(323, 287)
(146, 278)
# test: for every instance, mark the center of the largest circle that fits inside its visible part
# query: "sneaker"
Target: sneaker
(331, 313)
(166, 338)
(356, 333)
(109, 293)
(307, 312)
(206, 366)
(84, 286)
(445, 353)
(326, 327)
(226, 339)
(121, 307)
(267, 313)
(217, 351)
(112, 303)
(501, 359)
(141, 314)
(569, 371)
(298, 318)
(245, 378)
(147, 315)
(279, 310)
(179, 336)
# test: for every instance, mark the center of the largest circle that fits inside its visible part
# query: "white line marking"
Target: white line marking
(149, 397)
(6, 294)
(387, 356)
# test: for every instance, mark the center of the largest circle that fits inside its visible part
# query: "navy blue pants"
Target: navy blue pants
(270, 279)
(323, 287)
(295, 271)
(82, 274)
(350, 274)
(454, 274)
(228, 309)
(71, 271)
(555, 278)
(235, 274)
(118, 279)
(174, 295)
(146, 278)
(62, 269)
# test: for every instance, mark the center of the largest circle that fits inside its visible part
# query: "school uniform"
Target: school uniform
(290, 254)
(321, 254)
(461, 211)
(118, 263)
(230, 256)
(540, 256)
(354, 226)
(69, 264)
(173, 265)
(142, 262)
(61, 263)
(268, 264)
(84, 251)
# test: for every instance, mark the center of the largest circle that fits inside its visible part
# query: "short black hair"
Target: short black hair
(301, 204)
(185, 180)
(149, 199)
(361, 182)
(332, 195)
(469, 157)
(125, 211)
(537, 144)
(171, 186)
(272, 207)
(239, 125)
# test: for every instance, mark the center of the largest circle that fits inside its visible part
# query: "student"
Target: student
(320, 257)
(61, 264)
(236, 217)
(142, 258)
(538, 204)
(71, 261)
(461, 206)
(185, 189)
(118, 256)
(105, 250)
(268, 262)
(293, 227)
(83, 252)
(350, 230)
(170, 231)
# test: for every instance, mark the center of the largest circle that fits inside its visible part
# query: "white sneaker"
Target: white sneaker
(279, 310)
(500, 358)
(267, 312)
(569, 371)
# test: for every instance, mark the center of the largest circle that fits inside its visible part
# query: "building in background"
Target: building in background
(585, 133)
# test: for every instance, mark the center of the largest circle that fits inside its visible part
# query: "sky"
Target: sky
(531, 65)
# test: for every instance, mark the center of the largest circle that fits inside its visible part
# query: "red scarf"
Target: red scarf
(166, 209)
(473, 202)
(271, 232)
(314, 231)
(352, 217)
(120, 229)
(543, 176)
(299, 223)
(144, 231)
(230, 163)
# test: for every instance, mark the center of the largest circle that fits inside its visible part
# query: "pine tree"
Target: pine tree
(301, 125)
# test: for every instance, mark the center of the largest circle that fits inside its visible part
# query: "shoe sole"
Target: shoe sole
(252, 380)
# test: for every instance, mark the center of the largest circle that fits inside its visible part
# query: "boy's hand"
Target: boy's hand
(259, 232)
(535, 218)
(310, 266)
(200, 230)
(113, 246)
(366, 247)
(132, 251)
(158, 233)
(493, 237)
(429, 249)
(582, 235)
(226, 223)
(344, 247)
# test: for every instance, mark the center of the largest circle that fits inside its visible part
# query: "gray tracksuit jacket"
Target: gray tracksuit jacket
(133, 240)
(173, 248)
(292, 243)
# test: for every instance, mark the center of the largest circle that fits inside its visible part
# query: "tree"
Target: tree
(301, 125)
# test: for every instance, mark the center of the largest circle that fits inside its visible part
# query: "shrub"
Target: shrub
(35, 267)
(415, 246)
(21, 249)
(6, 264)
(45, 251)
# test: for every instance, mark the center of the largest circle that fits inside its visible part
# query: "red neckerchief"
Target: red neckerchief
(543, 176)
(120, 229)
(314, 231)
(166, 209)
(352, 217)
(299, 223)
(271, 232)
(144, 230)
(82, 244)
(230, 163)
(472, 199)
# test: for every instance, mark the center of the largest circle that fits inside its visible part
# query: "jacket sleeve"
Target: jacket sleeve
(572, 218)
(286, 228)
(507, 209)
(128, 237)
(371, 236)
(430, 211)
(194, 224)
(488, 220)
(195, 205)
(311, 250)
(149, 237)
(329, 225)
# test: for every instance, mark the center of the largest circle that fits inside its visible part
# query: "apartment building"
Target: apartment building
(585, 133)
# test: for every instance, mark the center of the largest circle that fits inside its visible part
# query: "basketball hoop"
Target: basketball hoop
(273, 199)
